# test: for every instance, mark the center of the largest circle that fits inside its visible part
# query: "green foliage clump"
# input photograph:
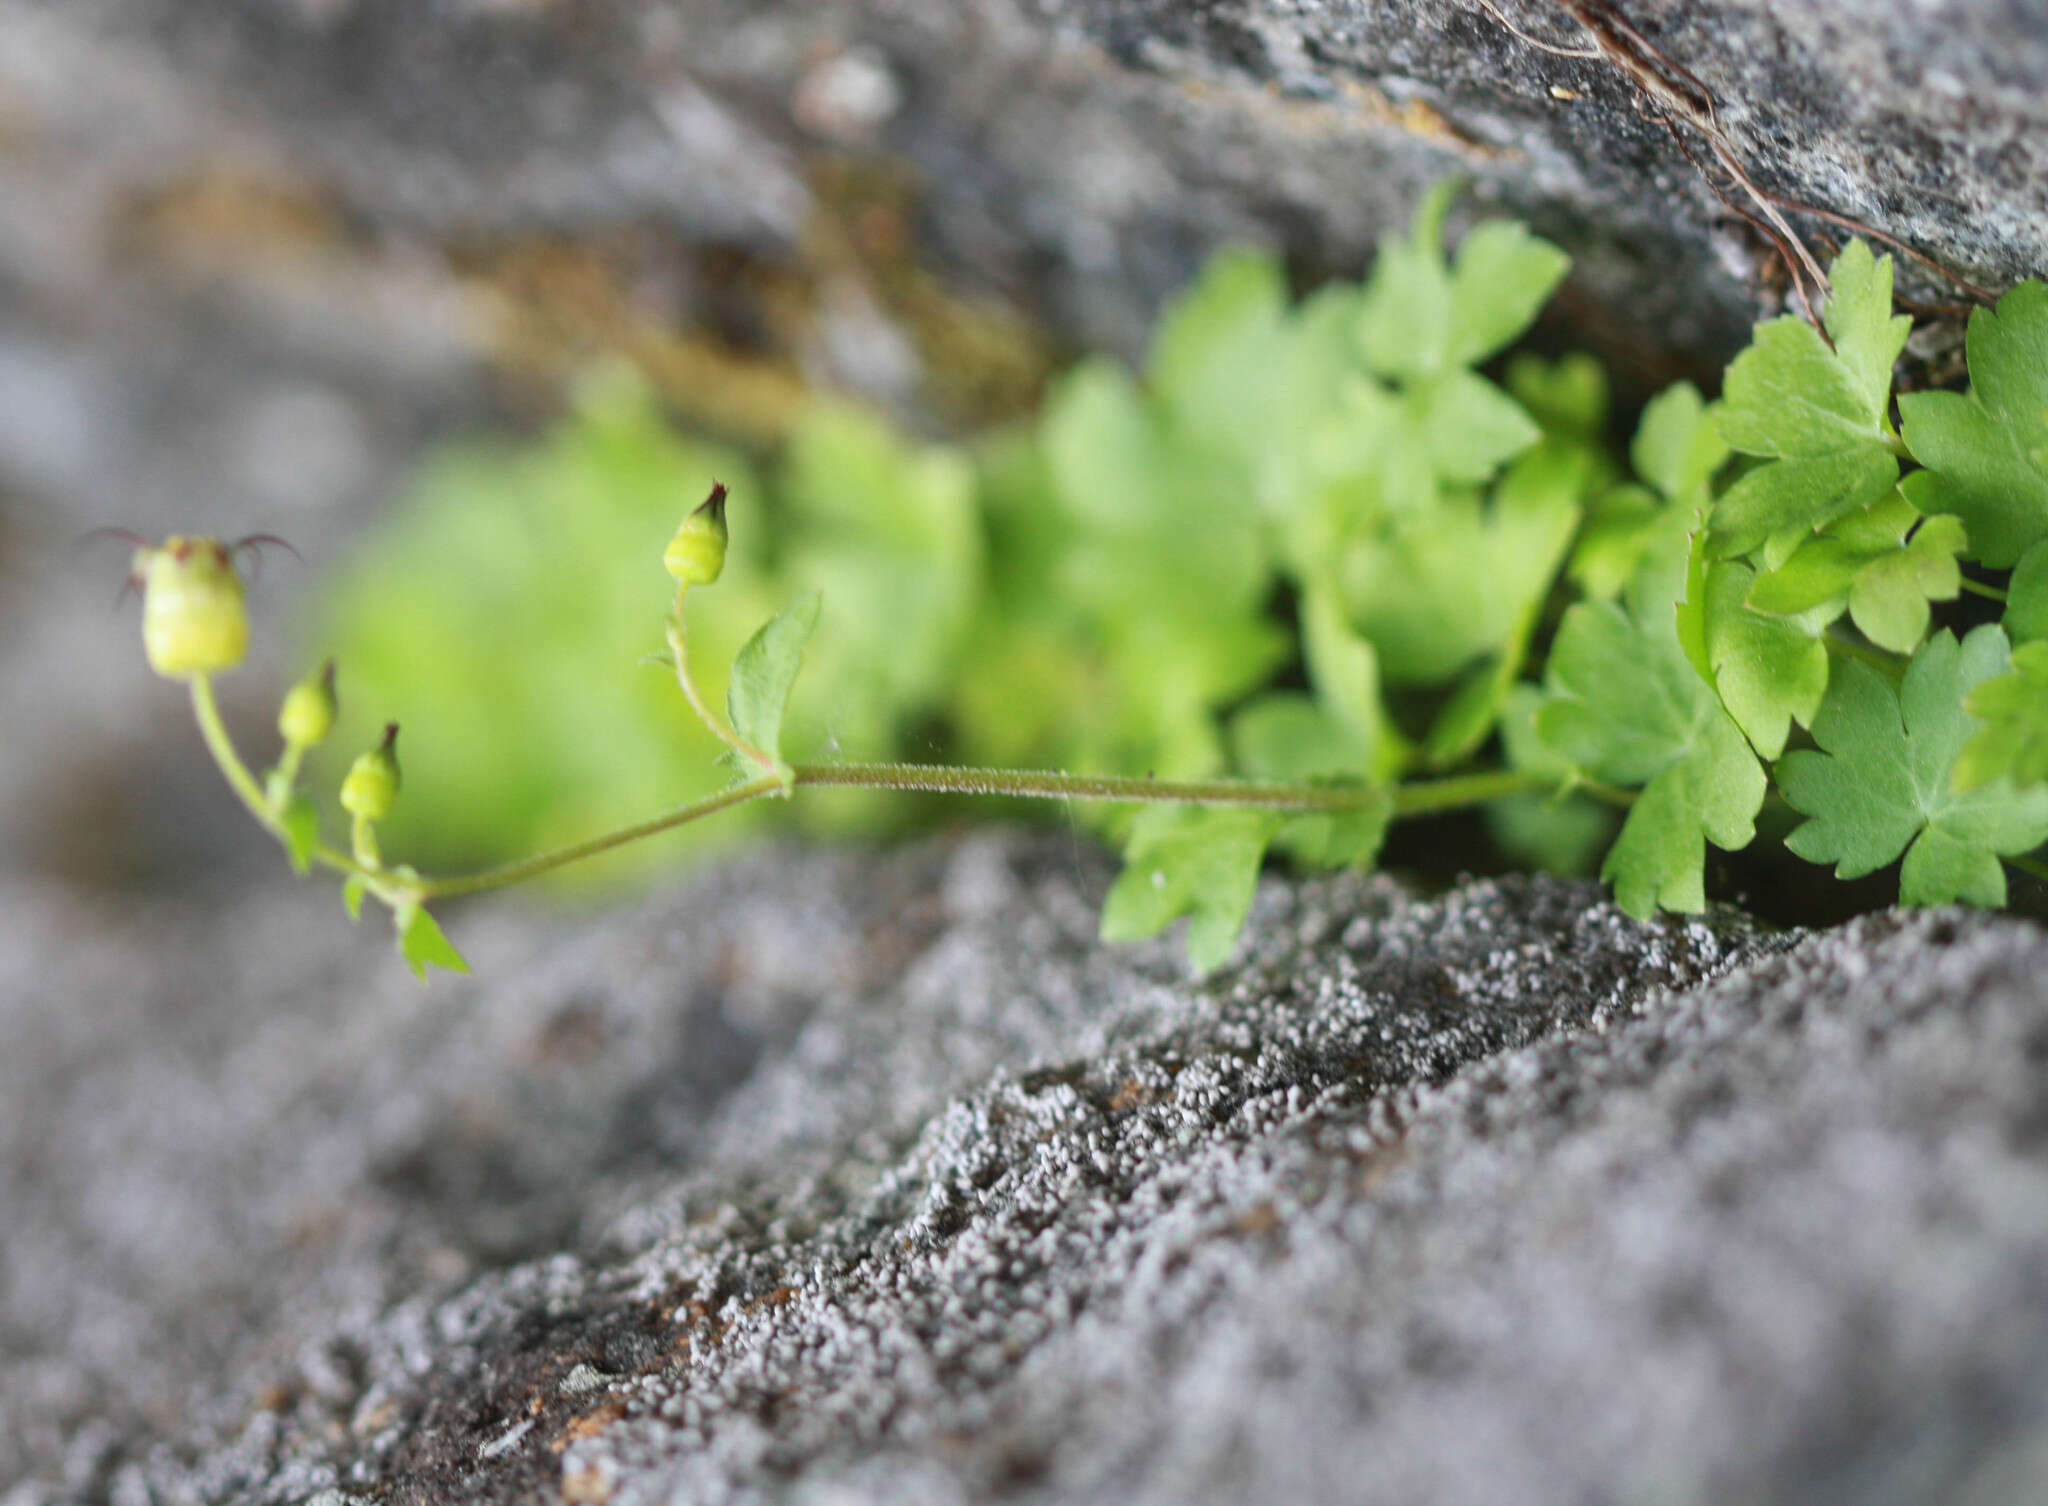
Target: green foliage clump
(1341, 544)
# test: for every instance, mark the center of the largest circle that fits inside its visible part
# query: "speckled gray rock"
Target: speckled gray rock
(242, 242)
(829, 1179)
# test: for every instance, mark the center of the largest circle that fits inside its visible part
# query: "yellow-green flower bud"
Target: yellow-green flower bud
(697, 553)
(193, 618)
(371, 788)
(307, 715)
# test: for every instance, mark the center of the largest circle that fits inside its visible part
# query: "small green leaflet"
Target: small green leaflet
(1625, 705)
(1566, 396)
(1677, 446)
(1676, 451)
(1556, 830)
(1194, 861)
(1819, 414)
(298, 827)
(1284, 736)
(1867, 563)
(1163, 565)
(2013, 707)
(2026, 597)
(763, 673)
(1344, 672)
(1768, 671)
(422, 944)
(352, 891)
(1883, 783)
(1984, 453)
(1535, 512)
(1422, 325)
(1422, 317)
(1232, 322)
(297, 820)
(1460, 581)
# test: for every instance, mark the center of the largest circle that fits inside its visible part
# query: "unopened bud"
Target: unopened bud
(307, 715)
(371, 788)
(696, 554)
(193, 617)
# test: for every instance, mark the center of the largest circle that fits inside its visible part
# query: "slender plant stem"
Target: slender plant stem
(560, 857)
(362, 841)
(206, 711)
(1029, 784)
(679, 645)
(1420, 799)
(1046, 784)
(284, 777)
(1884, 663)
(1431, 796)
(2033, 867)
(1978, 588)
(1607, 794)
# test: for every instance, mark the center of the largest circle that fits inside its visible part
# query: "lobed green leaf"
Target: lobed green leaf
(1987, 453)
(1883, 565)
(1435, 592)
(1625, 704)
(1769, 671)
(422, 944)
(1404, 321)
(1883, 782)
(1187, 860)
(1817, 412)
(1502, 278)
(1288, 737)
(2012, 742)
(2026, 597)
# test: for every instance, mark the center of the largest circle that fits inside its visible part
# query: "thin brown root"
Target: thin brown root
(1858, 227)
(1538, 43)
(1793, 260)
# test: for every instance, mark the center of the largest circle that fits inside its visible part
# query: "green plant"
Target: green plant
(1318, 572)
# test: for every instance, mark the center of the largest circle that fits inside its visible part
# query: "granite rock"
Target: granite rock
(830, 1178)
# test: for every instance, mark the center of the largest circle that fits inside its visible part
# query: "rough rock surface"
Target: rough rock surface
(830, 1178)
(823, 1179)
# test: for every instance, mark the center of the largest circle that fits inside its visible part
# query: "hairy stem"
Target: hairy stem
(1030, 784)
(1978, 588)
(561, 857)
(1046, 784)
(1425, 797)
